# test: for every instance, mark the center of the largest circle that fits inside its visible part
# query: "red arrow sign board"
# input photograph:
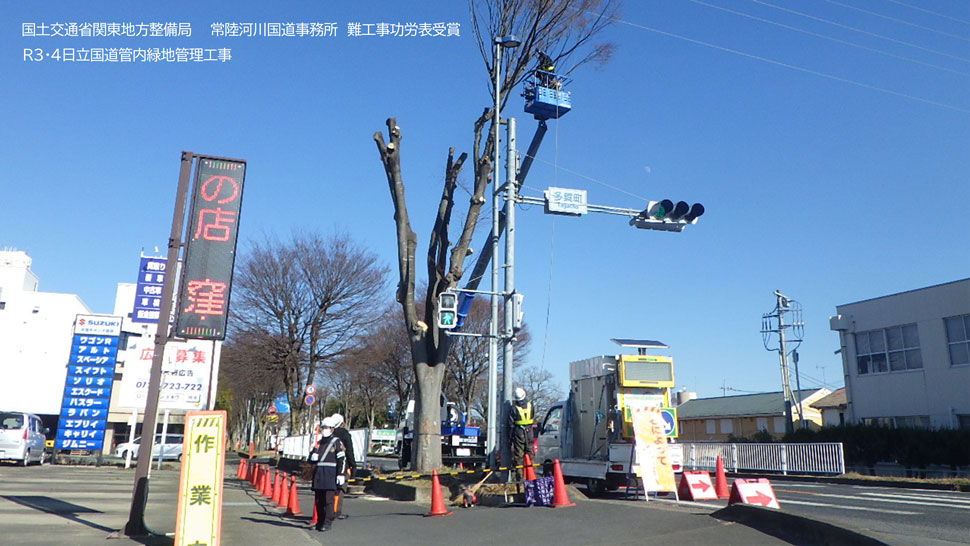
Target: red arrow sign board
(757, 491)
(696, 486)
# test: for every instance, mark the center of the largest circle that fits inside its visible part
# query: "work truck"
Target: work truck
(591, 432)
(460, 443)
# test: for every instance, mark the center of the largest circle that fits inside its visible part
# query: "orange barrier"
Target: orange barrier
(720, 485)
(293, 508)
(528, 472)
(559, 496)
(437, 501)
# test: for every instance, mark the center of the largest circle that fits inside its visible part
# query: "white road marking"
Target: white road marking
(953, 500)
(870, 499)
(783, 502)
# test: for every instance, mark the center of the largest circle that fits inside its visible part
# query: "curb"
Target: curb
(794, 529)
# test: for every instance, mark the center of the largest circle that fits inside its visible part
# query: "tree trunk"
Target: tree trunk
(427, 436)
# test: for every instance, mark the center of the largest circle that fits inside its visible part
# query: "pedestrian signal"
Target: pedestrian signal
(447, 310)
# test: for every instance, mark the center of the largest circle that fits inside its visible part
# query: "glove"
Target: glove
(341, 479)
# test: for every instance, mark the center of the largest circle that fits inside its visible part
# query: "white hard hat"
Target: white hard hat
(337, 419)
(327, 422)
(519, 394)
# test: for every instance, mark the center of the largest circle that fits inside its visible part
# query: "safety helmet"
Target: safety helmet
(327, 422)
(337, 420)
(519, 394)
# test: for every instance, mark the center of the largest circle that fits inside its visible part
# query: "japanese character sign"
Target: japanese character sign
(203, 302)
(199, 515)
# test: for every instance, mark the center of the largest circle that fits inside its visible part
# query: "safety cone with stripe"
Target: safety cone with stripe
(528, 472)
(293, 508)
(267, 490)
(437, 502)
(559, 496)
(720, 484)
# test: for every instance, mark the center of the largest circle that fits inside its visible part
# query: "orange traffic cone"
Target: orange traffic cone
(293, 508)
(720, 485)
(559, 496)
(241, 469)
(270, 482)
(284, 499)
(275, 499)
(528, 472)
(313, 520)
(261, 484)
(437, 502)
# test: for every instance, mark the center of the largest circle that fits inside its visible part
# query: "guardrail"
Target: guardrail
(822, 458)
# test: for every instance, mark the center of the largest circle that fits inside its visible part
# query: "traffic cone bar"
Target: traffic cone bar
(559, 496)
(437, 502)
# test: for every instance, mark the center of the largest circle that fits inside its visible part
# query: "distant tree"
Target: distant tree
(248, 381)
(307, 300)
(540, 387)
(560, 28)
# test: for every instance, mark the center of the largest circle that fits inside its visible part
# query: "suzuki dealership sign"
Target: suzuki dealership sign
(87, 388)
(186, 371)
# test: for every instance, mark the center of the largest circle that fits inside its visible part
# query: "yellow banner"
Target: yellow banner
(651, 445)
(198, 520)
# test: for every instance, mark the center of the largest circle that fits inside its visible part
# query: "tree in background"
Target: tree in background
(306, 301)
(560, 28)
(247, 385)
(540, 388)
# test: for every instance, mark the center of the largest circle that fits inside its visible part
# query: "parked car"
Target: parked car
(172, 449)
(22, 437)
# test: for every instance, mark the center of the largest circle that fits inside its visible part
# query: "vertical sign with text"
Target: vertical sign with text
(655, 466)
(198, 518)
(87, 387)
(148, 290)
(203, 302)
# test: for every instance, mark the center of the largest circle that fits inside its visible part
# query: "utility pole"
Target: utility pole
(774, 323)
(509, 290)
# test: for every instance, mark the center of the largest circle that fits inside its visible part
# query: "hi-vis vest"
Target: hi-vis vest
(523, 415)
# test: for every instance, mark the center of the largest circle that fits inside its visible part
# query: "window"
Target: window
(912, 421)
(779, 423)
(709, 424)
(958, 339)
(552, 420)
(727, 426)
(894, 349)
(762, 424)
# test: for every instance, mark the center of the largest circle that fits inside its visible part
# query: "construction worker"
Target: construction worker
(341, 432)
(520, 430)
(546, 71)
(330, 457)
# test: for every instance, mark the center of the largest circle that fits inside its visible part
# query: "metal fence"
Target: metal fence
(824, 458)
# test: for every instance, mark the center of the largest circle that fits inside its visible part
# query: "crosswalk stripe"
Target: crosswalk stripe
(842, 507)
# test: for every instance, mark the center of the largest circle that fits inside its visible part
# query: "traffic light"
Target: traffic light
(447, 310)
(667, 216)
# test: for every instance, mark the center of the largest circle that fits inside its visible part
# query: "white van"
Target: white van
(21, 437)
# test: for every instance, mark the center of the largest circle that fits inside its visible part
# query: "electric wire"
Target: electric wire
(830, 38)
(900, 21)
(794, 67)
(854, 29)
(964, 21)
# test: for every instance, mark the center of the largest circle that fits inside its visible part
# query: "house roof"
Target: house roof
(835, 400)
(767, 403)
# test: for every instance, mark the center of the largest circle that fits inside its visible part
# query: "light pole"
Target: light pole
(493, 429)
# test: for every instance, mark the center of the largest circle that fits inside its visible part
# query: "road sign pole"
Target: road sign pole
(139, 497)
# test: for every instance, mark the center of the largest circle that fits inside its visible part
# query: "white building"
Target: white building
(36, 330)
(906, 357)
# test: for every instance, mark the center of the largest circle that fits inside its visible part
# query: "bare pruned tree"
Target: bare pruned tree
(561, 28)
(311, 298)
(540, 387)
(248, 382)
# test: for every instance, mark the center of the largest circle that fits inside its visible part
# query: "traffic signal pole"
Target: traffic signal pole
(507, 338)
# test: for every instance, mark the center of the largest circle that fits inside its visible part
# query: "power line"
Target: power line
(854, 29)
(590, 178)
(900, 21)
(964, 21)
(798, 68)
(817, 35)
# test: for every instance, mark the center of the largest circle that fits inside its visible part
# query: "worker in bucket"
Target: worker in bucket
(520, 430)
(330, 457)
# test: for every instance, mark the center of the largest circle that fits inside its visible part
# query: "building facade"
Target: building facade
(721, 418)
(36, 329)
(906, 357)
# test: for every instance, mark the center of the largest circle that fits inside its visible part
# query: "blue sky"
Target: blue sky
(829, 171)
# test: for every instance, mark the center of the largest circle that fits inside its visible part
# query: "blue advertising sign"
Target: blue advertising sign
(148, 290)
(87, 387)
